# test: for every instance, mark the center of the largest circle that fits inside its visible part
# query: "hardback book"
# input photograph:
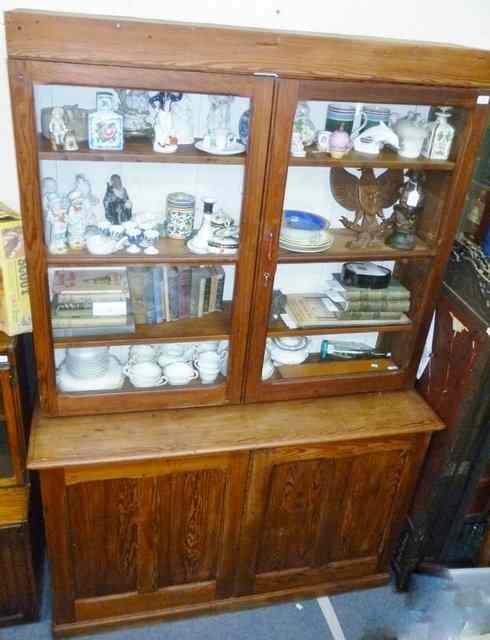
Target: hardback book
(401, 306)
(220, 286)
(199, 275)
(136, 279)
(89, 281)
(185, 284)
(82, 321)
(157, 276)
(173, 292)
(165, 295)
(90, 307)
(102, 329)
(207, 291)
(149, 301)
(394, 291)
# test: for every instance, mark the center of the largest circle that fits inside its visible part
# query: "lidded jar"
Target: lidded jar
(180, 215)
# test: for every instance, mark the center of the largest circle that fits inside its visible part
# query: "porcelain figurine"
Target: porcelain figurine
(118, 207)
(411, 131)
(80, 211)
(183, 120)
(57, 126)
(244, 126)
(105, 126)
(82, 192)
(56, 217)
(297, 146)
(135, 109)
(219, 116)
(372, 140)
(437, 144)
(165, 140)
(70, 142)
(199, 243)
(303, 123)
(404, 219)
(339, 143)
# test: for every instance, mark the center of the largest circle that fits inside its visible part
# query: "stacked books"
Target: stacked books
(91, 302)
(347, 305)
(166, 293)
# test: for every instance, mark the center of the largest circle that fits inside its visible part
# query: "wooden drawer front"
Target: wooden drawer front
(322, 513)
(148, 536)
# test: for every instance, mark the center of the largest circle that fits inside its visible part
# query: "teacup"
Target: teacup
(134, 236)
(141, 353)
(208, 360)
(224, 139)
(180, 373)
(145, 374)
(116, 232)
(104, 227)
(209, 345)
(151, 238)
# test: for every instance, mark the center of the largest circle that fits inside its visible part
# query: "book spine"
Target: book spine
(373, 295)
(401, 306)
(185, 283)
(136, 277)
(195, 290)
(202, 289)
(173, 293)
(87, 322)
(207, 292)
(368, 315)
(166, 300)
(220, 287)
(73, 298)
(157, 293)
(148, 297)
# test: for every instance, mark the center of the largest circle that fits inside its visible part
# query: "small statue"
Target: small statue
(297, 146)
(49, 188)
(183, 120)
(56, 217)
(57, 127)
(404, 219)
(118, 207)
(165, 140)
(80, 211)
(219, 116)
(303, 123)
(70, 141)
(367, 196)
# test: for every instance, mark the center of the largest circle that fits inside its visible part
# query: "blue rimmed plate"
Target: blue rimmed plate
(304, 220)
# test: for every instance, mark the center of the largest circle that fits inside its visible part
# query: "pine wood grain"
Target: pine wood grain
(76, 38)
(58, 442)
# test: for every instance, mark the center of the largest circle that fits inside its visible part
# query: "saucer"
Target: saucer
(111, 380)
(232, 150)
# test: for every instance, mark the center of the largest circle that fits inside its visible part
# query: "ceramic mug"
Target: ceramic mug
(145, 374)
(180, 373)
(141, 353)
(224, 139)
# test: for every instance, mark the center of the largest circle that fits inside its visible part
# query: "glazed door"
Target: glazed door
(12, 445)
(166, 197)
(316, 333)
(325, 513)
(142, 537)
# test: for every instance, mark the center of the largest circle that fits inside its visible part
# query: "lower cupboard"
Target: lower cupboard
(137, 540)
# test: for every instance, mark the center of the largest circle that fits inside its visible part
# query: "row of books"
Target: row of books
(347, 305)
(165, 293)
(91, 301)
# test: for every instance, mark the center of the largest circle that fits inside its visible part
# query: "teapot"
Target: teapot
(289, 350)
(412, 131)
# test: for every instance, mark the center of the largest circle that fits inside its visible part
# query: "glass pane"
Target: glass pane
(142, 366)
(312, 356)
(6, 470)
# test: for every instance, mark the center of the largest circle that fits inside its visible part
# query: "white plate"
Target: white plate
(238, 147)
(111, 380)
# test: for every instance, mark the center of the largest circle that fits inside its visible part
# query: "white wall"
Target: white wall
(434, 20)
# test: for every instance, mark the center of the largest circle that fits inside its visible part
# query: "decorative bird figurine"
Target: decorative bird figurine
(367, 196)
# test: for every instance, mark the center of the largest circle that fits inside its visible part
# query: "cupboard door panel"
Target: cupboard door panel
(323, 513)
(190, 513)
(104, 529)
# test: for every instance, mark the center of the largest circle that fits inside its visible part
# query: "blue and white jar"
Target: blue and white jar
(181, 208)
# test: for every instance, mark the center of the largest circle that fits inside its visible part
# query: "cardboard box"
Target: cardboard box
(15, 308)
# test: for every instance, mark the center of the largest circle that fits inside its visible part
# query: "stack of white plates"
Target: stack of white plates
(87, 362)
(304, 232)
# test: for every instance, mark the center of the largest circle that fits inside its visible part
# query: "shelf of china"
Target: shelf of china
(176, 252)
(142, 151)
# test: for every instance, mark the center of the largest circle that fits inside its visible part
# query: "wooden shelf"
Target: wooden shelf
(339, 252)
(354, 159)
(212, 326)
(278, 329)
(137, 151)
(169, 252)
(313, 367)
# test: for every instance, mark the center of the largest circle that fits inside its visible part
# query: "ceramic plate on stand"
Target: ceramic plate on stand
(234, 149)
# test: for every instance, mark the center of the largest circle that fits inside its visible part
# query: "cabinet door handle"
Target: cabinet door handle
(267, 276)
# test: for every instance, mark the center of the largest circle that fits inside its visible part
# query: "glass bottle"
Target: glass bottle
(437, 145)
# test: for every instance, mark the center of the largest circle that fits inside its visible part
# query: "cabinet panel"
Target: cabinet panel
(145, 536)
(323, 513)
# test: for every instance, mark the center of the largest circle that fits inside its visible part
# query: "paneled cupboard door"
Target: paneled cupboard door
(312, 337)
(142, 537)
(137, 211)
(317, 514)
